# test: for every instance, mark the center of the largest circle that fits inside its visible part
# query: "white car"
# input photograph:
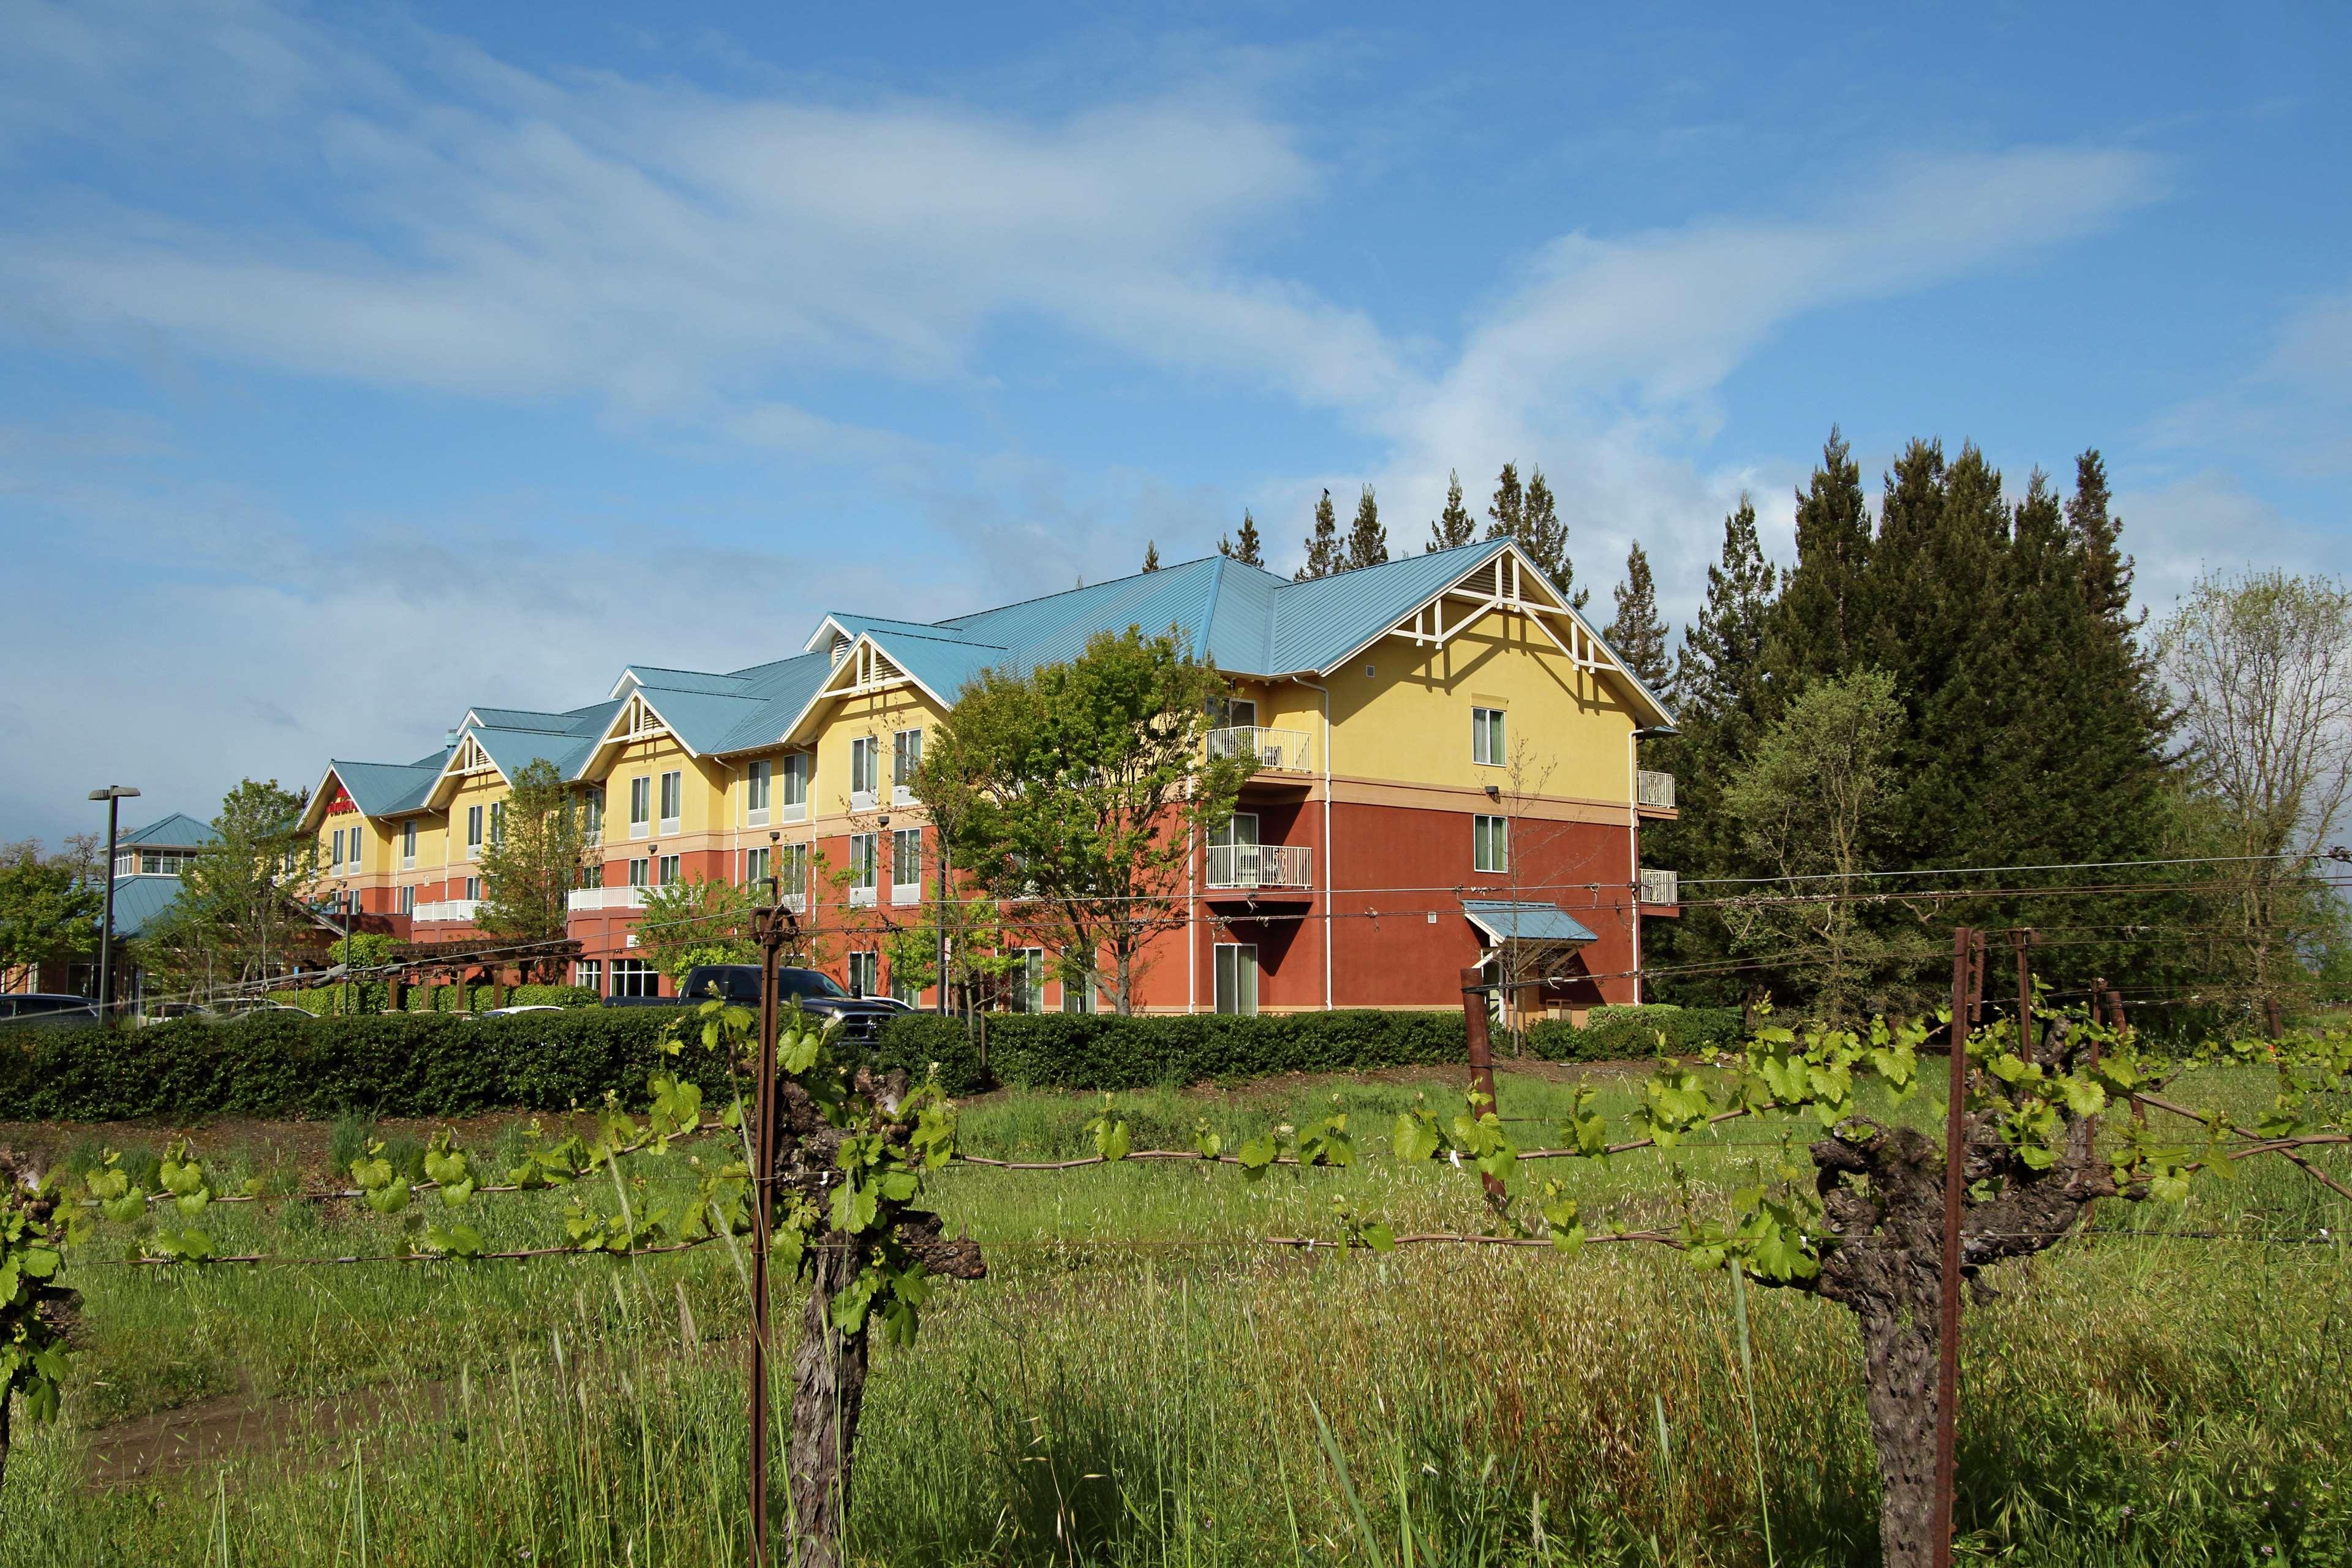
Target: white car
(521, 1007)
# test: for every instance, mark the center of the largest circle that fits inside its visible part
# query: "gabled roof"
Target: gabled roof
(177, 831)
(1504, 922)
(379, 789)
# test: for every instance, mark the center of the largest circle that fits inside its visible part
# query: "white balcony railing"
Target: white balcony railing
(607, 899)
(446, 912)
(1661, 886)
(1277, 751)
(1261, 866)
(1653, 789)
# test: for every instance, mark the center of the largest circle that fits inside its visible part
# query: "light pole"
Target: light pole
(114, 796)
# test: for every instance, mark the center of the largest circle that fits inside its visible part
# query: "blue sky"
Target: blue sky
(359, 366)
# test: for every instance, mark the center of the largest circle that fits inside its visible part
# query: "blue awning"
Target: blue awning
(1525, 923)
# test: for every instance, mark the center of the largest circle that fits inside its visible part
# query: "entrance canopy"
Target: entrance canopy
(1502, 921)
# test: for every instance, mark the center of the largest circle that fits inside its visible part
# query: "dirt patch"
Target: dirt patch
(155, 1447)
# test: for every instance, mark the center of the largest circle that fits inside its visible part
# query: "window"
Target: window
(673, 789)
(592, 875)
(1490, 843)
(637, 868)
(797, 871)
(755, 869)
(408, 900)
(1236, 965)
(865, 772)
(1486, 737)
(865, 974)
(335, 856)
(904, 984)
(1078, 995)
(641, 806)
(906, 865)
(669, 870)
(473, 889)
(634, 977)
(497, 821)
(408, 845)
(755, 793)
(1232, 713)
(1234, 856)
(906, 758)
(591, 814)
(351, 850)
(861, 867)
(590, 973)
(1028, 980)
(796, 784)
(473, 833)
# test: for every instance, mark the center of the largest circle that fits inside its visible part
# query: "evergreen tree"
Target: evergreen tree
(1544, 538)
(1245, 549)
(1151, 555)
(1507, 513)
(1637, 634)
(1455, 526)
(1719, 676)
(1368, 542)
(1824, 610)
(2096, 531)
(1322, 545)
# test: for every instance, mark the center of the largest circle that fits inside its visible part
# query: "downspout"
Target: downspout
(1331, 918)
(1191, 922)
(1633, 844)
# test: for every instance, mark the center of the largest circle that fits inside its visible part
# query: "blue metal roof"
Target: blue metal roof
(177, 831)
(138, 900)
(1505, 921)
(379, 787)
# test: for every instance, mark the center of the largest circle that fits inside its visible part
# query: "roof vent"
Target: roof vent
(840, 647)
(450, 737)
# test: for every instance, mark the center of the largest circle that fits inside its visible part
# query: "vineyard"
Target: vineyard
(1155, 1371)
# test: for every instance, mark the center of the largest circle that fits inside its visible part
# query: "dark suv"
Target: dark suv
(819, 995)
(47, 1007)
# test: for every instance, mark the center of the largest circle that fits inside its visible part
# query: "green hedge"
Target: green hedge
(1082, 1050)
(1634, 1034)
(551, 995)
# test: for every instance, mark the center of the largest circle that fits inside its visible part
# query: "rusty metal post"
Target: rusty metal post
(1482, 1051)
(2122, 1024)
(774, 923)
(1967, 969)
(2023, 940)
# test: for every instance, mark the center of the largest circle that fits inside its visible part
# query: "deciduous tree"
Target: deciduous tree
(48, 911)
(533, 861)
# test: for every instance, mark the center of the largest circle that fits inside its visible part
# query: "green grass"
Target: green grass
(1139, 1382)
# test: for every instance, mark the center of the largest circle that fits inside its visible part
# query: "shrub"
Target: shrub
(1637, 1034)
(1096, 1050)
(551, 995)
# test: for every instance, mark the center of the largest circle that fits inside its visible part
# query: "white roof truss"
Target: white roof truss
(636, 719)
(864, 671)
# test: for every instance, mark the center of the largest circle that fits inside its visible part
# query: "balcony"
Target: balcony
(1277, 751)
(1654, 790)
(1257, 866)
(1661, 888)
(448, 911)
(589, 899)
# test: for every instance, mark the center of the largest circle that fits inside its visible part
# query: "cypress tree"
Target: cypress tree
(2107, 577)
(1322, 545)
(1455, 527)
(1824, 611)
(1368, 542)
(1150, 555)
(1245, 549)
(1636, 633)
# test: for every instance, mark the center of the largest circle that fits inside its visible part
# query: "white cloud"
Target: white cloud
(2293, 410)
(2207, 521)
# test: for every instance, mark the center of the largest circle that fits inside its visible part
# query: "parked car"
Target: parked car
(520, 1007)
(247, 1006)
(34, 1009)
(819, 995)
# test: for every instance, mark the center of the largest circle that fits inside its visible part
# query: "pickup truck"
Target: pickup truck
(819, 995)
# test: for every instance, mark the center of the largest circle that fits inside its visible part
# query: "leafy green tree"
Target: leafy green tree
(1455, 526)
(696, 921)
(1323, 557)
(1084, 786)
(1808, 804)
(1245, 548)
(1368, 542)
(1150, 555)
(532, 862)
(241, 905)
(1636, 633)
(48, 911)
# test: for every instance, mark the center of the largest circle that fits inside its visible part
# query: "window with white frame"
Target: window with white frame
(1027, 981)
(634, 977)
(1490, 843)
(795, 870)
(641, 806)
(673, 791)
(906, 761)
(351, 850)
(865, 771)
(473, 833)
(756, 784)
(755, 869)
(906, 865)
(497, 821)
(335, 855)
(861, 867)
(865, 974)
(589, 972)
(1237, 984)
(796, 787)
(905, 984)
(592, 813)
(1079, 994)
(637, 870)
(1486, 747)
(668, 871)
(591, 874)
(408, 898)
(408, 845)
(473, 889)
